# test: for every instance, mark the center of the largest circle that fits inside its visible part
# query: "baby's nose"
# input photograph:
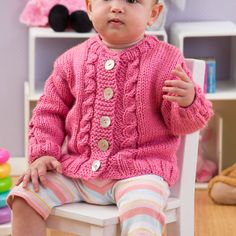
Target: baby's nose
(117, 6)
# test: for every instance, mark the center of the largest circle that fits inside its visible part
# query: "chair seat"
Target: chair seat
(88, 213)
(104, 215)
(171, 209)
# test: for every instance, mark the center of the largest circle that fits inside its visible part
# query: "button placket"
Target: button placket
(105, 114)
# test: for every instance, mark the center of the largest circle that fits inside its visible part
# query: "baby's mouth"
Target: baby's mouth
(115, 21)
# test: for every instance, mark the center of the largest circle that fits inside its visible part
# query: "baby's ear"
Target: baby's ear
(89, 9)
(155, 13)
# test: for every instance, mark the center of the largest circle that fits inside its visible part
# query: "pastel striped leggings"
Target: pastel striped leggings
(140, 200)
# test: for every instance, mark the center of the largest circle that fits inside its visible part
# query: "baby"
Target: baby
(121, 100)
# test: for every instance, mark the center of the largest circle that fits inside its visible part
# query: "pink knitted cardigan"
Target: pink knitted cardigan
(144, 132)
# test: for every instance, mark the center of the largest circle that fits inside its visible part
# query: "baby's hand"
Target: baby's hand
(181, 91)
(37, 171)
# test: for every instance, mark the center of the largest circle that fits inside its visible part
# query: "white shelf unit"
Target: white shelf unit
(45, 45)
(212, 39)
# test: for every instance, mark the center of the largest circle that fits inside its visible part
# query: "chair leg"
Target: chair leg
(186, 219)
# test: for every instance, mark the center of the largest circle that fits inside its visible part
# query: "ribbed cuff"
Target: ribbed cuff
(44, 149)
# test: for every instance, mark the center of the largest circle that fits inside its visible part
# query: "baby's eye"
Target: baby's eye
(132, 1)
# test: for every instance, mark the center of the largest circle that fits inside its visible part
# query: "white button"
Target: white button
(96, 165)
(108, 93)
(103, 145)
(105, 121)
(109, 65)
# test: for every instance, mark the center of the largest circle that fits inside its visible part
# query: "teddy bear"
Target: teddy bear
(57, 14)
(222, 188)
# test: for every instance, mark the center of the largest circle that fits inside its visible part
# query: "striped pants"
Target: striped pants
(140, 200)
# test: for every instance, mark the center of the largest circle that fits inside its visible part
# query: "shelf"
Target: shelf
(210, 39)
(200, 29)
(35, 97)
(206, 28)
(46, 32)
(224, 91)
(201, 185)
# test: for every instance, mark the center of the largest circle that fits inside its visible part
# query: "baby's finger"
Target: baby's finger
(171, 98)
(35, 179)
(26, 179)
(176, 83)
(174, 90)
(42, 171)
(56, 166)
(176, 99)
(180, 73)
(19, 180)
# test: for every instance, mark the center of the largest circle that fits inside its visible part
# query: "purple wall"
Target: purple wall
(14, 56)
(13, 73)
(203, 10)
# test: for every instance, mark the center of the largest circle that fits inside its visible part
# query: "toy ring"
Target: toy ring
(3, 197)
(4, 155)
(5, 184)
(5, 170)
(5, 215)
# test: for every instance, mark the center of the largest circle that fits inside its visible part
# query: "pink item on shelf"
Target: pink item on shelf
(36, 12)
(205, 170)
(205, 79)
(4, 155)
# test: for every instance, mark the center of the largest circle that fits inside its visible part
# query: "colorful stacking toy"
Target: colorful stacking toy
(5, 185)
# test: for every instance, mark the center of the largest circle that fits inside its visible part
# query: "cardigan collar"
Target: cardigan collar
(141, 47)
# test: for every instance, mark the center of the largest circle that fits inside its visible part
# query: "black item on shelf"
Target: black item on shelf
(58, 18)
(80, 21)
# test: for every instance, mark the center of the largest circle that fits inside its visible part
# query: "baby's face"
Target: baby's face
(122, 21)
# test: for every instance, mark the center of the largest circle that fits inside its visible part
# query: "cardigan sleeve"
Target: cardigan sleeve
(184, 120)
(47, 125)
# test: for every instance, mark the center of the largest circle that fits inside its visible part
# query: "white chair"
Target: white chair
(92, 220)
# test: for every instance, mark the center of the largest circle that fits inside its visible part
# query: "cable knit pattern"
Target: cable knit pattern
(88, 104)
(109, 107)
(130, 132)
